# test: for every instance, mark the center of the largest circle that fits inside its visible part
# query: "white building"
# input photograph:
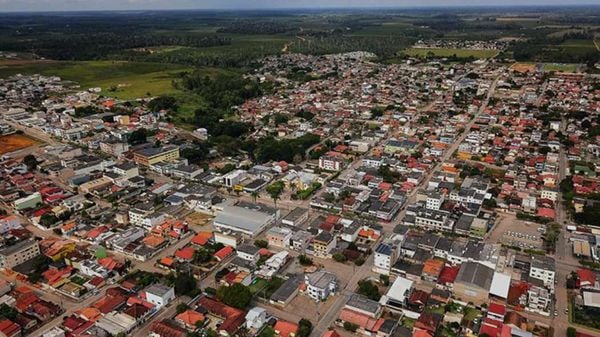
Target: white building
(320, 285)
(330, 163)
(385, 257)
(542, 268)
(159, 295)
(397, 294)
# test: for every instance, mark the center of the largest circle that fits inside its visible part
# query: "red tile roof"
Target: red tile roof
(186, 253)
(9, 328)
(224, 253)
(285, 328)
(233, 317)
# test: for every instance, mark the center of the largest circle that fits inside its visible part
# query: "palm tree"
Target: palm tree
(255, 195)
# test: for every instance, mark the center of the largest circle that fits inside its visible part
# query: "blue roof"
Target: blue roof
(384, 249)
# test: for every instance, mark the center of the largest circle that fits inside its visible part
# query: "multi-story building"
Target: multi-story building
(279, 237)
(18, 253)
(542, 268)
(153, 155)
(331, 163)
(320, 285)
(385, 257)
(323, 243)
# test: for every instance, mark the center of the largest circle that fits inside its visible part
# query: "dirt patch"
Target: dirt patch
(523, 67)
(14, 142)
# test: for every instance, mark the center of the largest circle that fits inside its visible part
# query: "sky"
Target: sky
(79, 5)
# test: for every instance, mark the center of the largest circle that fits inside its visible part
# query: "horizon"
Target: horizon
(74, 6)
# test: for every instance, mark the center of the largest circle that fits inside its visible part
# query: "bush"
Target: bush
(339, 257)
(360, 261)
(350, 327)
(305, 260)
(261, 243)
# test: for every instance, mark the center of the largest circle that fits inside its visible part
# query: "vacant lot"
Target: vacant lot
(447, 52)
(514, 232)
(524, 67)
(125, 80)
(15, 142)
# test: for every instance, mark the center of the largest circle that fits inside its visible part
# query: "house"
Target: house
(248, 253)
(284, 328)
(256, 318)
(9, 328)
(320, 284)
(496, 311)
(428, 322)
(231, 318)
(287, 291)
(165, 328)
(473, 282)
(190, 319)
(159, 294)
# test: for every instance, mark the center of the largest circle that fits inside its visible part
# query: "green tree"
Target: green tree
(339, 257)
(350, 327)
(30, 161)
(237, 295)
(275, 190)
(181, 307)
(571, 332)
(185, 284)
(261, 243)
(268, 331)
(255, 195)
(305, 260)
(368, 289)
(304, 328)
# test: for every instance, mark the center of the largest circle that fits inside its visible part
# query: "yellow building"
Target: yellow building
(152, 155)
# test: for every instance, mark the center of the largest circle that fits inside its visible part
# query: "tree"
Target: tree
(181, 307)
(237, 295)
(571, 332)
(385, 279)
(48, 220)
(138, 136)
(255, 195)
(268, 331)
(261, 243)
(7, 312)
(350, 327)
(30, 161)
(368, 289)
(185, 284)
(275, 190)
(304, 328)
(339, 257)
(163, 103)
(305, 260)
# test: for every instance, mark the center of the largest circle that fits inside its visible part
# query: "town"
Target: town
(423, 198)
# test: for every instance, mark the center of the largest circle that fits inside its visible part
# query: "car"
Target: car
(567, 311)
(555, 312)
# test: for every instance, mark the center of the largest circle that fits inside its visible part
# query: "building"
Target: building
(295, 217)
(29, 201)
(320, 285)
(542, 268)
(397, 294)
(279, 237)
(434, 200)
(330, 163)
(234, 178)
(473, 283)
(248, 252)
(323, 243)
(246, 218)
(152, 155)
(18, 253)
(385, 257)
(114, 147)
(159, 294)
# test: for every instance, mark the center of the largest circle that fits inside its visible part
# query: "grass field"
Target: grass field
(446, 52)
(15, 142)
(567, 68)
(128, 80)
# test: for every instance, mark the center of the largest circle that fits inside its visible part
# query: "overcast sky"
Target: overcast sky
(60, 5)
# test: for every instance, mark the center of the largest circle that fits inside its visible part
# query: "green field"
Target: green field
(562, 67)
(124, 80)
(446, 52)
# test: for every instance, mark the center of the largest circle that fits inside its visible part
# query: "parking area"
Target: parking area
(518, 233)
